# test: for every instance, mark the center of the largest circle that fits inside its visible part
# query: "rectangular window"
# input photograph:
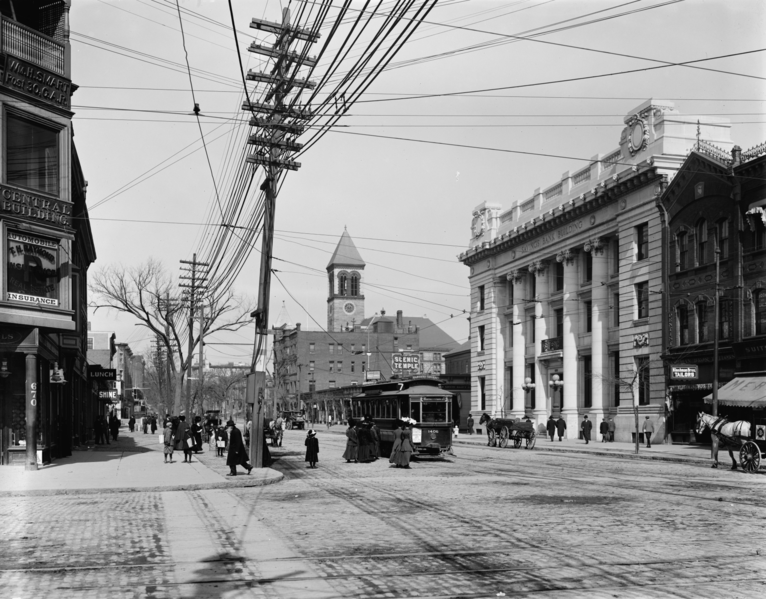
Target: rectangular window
(683, 325)
(559, 315)
(340, 349)
(331, 367)
(312, 366)
(482, 393)
(531, 326)
(409, 347)
(642, 299)
(33, 271)
(353, 346)
(481, 337)
(364, 366)
(682, 239)
(364, 348)
(559, 276)
(588, 317)
(588, 266)
(90, 342)
(702, 323)
(616, 377)
(332, 348)
(725, 318)
(509, 385)
(510, 295)
(642, 365)
(532, 287)
(616, 309)
(722, 238)
(481, 297)
(615, 256)
(587, 369)
(331, 384)
(32, 155)
(641, 234)
(353, 369)
(340, 366)
(312, 348)
(396, 343)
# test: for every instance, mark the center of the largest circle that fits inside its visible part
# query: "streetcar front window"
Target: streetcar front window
(435, 411)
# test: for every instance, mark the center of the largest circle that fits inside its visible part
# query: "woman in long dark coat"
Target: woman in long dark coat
(181, 434)
(364, 452)
(312, 448)
(196, 430)
(352, 444)
(402, 450)
(237, 453)
(375, 433)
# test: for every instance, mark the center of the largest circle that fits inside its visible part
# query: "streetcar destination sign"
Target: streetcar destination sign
(684, 372)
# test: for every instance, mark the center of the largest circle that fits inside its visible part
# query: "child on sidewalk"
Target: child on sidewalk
(168, 441)
(312, 448)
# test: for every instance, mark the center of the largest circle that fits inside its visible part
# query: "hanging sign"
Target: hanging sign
(684, 372)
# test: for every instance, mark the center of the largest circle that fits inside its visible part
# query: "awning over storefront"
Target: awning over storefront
(744, 392)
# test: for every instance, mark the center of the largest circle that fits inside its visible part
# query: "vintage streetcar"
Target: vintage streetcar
(420, 399)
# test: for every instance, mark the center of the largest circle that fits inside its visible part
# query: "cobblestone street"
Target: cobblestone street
(484, 523)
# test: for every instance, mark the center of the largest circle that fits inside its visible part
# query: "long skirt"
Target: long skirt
(364, 454)
(351, 452)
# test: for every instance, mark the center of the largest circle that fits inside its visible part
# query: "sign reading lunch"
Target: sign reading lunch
(34, 208)
(549, 238)
(37, 82)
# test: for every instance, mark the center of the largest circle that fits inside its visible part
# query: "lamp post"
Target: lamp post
(528, 387)
(555, 384)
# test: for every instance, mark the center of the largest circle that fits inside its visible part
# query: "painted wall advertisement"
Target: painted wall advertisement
(33, 273)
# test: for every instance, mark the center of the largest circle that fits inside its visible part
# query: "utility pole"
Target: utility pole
(192, 293)
(716, 317)
(275, 141)
(201, 355)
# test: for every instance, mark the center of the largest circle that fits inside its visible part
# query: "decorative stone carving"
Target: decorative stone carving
(515, 276)
(538, 267)
(638, 135)
(595, 245)
(753, 214)
(478, 224)
(567, 257)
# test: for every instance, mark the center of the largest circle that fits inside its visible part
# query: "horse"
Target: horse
(494, 426)
(729, 434)
(489, 420)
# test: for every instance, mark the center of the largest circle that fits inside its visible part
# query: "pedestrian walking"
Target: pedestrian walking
(312, 448)
(551, 426)
(604, 430)
(182, 436)
(196, 430)
(221, 438)
(237, 454)
(402, 449)
(352, 442)
(131, 423)
(585, 427)
(279, 429)
(561, 427)
(144, 424)
(611, 429)
(167, 439)
(375, 433)
(469, 424)
(153, 424)
(648, 430)
(114, 426)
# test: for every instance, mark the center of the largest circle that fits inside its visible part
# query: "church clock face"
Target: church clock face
(349, 308)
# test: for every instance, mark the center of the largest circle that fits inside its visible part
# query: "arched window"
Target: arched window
(354, 284)
(682, 316)
(701, 235)
(682, 241)
(342, 284)
(332, 284)
(722, 237)
(703, 332)
(759, 302)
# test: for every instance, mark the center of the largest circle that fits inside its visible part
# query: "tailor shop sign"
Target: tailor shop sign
(34, 208)
(38, 83)
(550, 238)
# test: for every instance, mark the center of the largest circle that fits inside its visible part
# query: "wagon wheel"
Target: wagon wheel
(750, 457)
(289, 426)
(516, 440)
(492, 438)
(503, 441)
(531, 440)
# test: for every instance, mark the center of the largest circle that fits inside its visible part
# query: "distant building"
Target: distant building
(566, 284)
(457, 379)
(716, 201)
(353, 348)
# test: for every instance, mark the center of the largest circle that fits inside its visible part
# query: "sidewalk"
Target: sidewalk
(132, 463)
(697, 454)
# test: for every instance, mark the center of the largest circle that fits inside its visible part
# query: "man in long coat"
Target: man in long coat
(551, 427)
(586, 426)
(237, 452)
(561, 427)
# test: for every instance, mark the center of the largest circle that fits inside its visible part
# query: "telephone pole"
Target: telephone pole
(279, 126)
(195, 273)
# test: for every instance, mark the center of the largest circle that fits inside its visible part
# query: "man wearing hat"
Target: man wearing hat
(648, 429)
(586, 426)
(469, 424)
(237, 452)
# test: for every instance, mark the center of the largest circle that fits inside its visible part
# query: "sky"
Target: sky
(405, 166)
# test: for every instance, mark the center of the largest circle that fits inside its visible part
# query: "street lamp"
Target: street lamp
(555, 383)
(528, 385)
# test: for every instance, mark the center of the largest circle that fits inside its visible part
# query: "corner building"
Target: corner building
(46, 244)
(566, 284)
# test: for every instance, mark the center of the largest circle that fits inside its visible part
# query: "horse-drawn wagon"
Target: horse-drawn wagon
(749, 438)
(502, 431)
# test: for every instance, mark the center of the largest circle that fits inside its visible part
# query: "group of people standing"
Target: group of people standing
(144, 423)
(102, 428)
(363, 442)
(178, 435)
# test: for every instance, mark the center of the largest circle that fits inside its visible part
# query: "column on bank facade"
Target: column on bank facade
(599, 327)
(539, 270)
(517, 279)
(496, 302)
(571, 306)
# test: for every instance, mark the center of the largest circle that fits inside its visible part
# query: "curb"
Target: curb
(272, 478)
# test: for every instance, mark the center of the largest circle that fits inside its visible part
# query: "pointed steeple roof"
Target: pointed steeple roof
(345, 253)
(283, 319)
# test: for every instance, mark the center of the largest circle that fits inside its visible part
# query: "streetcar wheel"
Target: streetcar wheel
(750, 457)
(492, 438)
(504, 437)
(531, 441)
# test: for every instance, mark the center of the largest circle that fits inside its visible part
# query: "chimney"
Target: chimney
(382, 312)
(399, 319)
(297, 326)
(736, 156)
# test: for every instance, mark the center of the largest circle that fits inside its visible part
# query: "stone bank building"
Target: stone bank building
(567, 287)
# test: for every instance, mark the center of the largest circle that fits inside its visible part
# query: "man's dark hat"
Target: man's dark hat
(230, 423)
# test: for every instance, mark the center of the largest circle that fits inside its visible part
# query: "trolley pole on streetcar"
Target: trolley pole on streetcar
(275, 141)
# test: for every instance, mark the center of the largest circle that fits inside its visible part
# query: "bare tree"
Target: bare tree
(226, 389)
(149, 294)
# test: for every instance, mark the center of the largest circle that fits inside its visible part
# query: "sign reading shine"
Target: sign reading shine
(684, 372)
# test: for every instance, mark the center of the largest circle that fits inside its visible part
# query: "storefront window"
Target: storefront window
(32, 156)
(32, 274)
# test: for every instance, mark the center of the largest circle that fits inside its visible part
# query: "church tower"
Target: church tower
(345, 302)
